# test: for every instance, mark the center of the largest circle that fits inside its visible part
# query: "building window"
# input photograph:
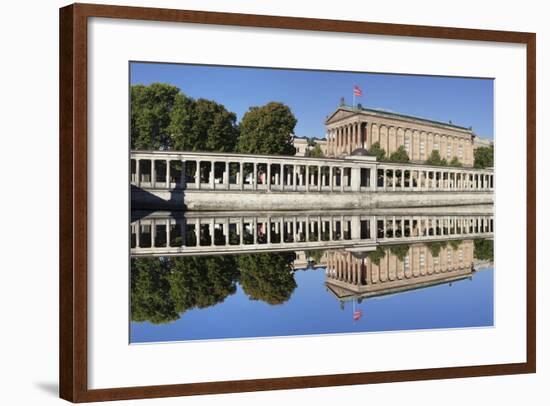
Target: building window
(421, 149)
(448, 150)
(460, 151)
(436, 146)
(408, 144)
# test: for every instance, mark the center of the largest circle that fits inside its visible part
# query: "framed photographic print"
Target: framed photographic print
(256, 202)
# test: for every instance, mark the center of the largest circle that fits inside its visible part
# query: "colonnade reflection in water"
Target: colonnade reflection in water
(191, 261)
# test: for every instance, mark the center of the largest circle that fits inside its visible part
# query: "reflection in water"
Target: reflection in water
(162, 288)
(197, 233)
(182, 297)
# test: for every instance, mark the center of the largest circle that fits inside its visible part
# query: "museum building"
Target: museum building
(349, 128)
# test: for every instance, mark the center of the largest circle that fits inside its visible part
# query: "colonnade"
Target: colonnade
(419, 142)
(417, 260)
(208, 171)
(232, 233)
(391, 177)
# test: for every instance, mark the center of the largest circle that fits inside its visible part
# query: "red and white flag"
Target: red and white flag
(357, 91)
(357, 315)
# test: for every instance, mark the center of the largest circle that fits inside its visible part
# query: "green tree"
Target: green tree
(377, 151)
(454, 244)
(400, 155)
(150, 110)
(435, 247)
(483, 157)
(202, 125)
(267, 276)
(400, 250)
(315, 152)
(455, 162)
(267, 130)
(163, 288)
(150, 298)
(201, 281)
(483, 249)
(435, 159)
(376, 255)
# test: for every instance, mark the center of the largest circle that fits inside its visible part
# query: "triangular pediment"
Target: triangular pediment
(340, 114)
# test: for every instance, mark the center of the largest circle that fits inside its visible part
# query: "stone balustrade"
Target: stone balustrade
(171, 170)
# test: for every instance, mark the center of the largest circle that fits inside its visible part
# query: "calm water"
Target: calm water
(217, 306)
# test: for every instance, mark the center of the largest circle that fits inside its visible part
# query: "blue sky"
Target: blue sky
(313, 310)
(312, 95)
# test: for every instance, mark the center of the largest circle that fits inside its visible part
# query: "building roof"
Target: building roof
(360, 108)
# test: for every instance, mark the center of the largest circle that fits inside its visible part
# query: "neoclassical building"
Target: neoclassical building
(349, 128)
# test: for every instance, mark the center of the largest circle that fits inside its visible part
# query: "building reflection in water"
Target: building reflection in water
(161, 234)
(362, 256)
(398, 268)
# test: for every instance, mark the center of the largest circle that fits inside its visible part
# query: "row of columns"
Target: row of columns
(395, 178)
(344, 138)
(262, 176)
(433, 226)
(307, 177)
(317, 229)
(343, 267)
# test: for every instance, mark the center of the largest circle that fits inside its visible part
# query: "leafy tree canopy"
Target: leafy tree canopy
(400, 155)
(483, 157)
(202, 125)
(164, 118)
(400, 250)
(267, 130)
(455, 162)
(483, 249)
(267, 276)
(163, 288)
(435, 159)
(454, 244)
(376, 255)
(150, 298)
(377, 151)
(151, 107)
(435, 247)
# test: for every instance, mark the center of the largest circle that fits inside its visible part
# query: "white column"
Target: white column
(241, 175)
(268, 180)
(167, 179)
(183, 177)
(153, 174)
(138, 175)
(255, 176)
(226, 175)
(211, 178)
(198, 175)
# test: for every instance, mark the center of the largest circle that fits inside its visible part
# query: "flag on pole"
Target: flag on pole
(357, 91)
(357, 315)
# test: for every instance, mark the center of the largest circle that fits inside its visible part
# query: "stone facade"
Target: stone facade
(302, 146)
(349, 128)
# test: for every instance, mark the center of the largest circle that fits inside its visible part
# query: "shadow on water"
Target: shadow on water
(145, 202)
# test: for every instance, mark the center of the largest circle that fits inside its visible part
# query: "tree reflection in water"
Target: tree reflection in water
(162, 288)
